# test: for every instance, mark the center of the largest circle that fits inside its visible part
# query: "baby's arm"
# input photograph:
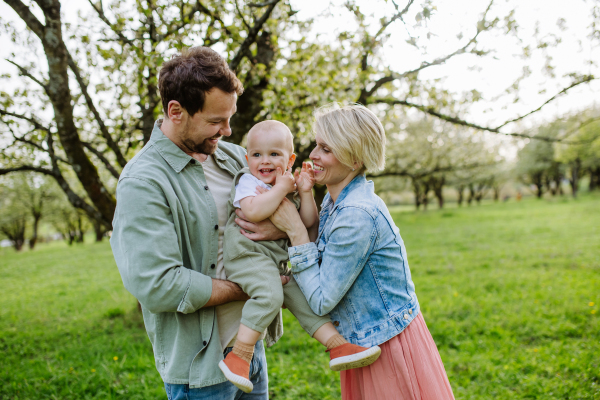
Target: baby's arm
(309, 214)
(262, 206)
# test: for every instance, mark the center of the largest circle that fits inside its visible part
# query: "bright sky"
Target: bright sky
(451, 18)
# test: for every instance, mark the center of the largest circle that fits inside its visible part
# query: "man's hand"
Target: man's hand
(263, 230)
(305, 178)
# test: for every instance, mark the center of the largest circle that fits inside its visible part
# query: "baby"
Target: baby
(256, 266)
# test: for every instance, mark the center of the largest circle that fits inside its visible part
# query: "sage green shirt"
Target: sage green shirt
(165, 243)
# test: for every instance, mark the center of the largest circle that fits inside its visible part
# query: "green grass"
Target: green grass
(510, 293)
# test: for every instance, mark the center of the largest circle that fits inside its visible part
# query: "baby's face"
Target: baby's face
(267, 150)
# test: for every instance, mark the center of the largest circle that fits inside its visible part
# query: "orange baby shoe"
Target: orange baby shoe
(349, 356)
(237, 371)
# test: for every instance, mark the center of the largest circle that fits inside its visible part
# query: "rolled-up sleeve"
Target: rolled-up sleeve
(147, 251)
(325, 276)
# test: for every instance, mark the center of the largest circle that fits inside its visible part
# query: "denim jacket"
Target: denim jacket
(357, 270)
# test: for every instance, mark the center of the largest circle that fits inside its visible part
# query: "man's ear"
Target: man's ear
(175, 112)
(291, 162)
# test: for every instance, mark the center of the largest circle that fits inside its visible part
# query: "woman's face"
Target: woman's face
(328, 170)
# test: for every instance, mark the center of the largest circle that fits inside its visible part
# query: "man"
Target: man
(168, 229)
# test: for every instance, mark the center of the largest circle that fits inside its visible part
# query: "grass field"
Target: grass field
(510, 293)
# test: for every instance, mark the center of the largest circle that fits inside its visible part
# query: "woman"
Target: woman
(357, 270)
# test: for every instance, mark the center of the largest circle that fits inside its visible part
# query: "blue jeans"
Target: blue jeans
(226, 390)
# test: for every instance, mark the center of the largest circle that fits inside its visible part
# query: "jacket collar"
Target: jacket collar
(358, 181)
(172, 154)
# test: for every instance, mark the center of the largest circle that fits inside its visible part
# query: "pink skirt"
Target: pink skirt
(409, 368)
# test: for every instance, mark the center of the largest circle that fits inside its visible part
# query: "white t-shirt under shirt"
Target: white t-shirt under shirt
(246, 187)
(228, 315)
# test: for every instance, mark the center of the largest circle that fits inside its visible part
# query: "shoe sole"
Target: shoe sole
(357, 360)
(241, 383)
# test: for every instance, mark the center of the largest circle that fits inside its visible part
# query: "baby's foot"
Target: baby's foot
(349, 356)
(237, 371)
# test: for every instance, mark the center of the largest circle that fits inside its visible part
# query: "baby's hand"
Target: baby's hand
(305, 178)
(285, 180)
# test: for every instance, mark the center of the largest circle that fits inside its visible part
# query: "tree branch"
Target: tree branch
(365, 94)
(585, 79)
(258, 5)
(101, 157)
(239, 12)
(31, 168)
(395, 17)
(90, 103)
(103, 17)
(252, 33)
(31, 120)
(26, 15)
(24, 72)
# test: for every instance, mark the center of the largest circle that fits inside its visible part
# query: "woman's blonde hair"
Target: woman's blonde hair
(354, 134)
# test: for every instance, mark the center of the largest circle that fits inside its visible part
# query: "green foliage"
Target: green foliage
(509, 292)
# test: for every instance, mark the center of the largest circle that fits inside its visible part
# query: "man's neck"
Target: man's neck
(173, 132)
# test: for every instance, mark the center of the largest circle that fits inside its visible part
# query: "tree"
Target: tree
(96, 99)
(95, 135)
(583, 154)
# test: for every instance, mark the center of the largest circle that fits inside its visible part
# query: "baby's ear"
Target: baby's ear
(291, 161)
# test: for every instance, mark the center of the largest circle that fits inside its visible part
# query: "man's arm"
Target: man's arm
(224, 292)
(263, 230)
(147, 253)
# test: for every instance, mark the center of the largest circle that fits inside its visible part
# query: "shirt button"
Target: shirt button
(205, 187)
(216, 227)
(410, 311)
(204, 343)
(212, 266)
(336, 323)
(405, 316)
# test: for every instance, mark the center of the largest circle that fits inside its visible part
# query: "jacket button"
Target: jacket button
(204, 343)
(216, 227)
(336, 323)
(410, 311)
(212, 266)
(405, 316)
(205, 187)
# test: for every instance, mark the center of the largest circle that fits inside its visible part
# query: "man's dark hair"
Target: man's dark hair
(188, 76)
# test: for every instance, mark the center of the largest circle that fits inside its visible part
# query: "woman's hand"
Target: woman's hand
(305, 178)
(287, 219)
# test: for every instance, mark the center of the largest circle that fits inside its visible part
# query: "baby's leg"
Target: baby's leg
(258, 276)
(343, 354)
(318, 327)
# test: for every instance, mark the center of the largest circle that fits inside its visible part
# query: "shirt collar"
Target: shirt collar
(172, 154)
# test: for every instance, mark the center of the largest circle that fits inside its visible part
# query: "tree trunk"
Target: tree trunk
(100, 230)
(594, 178)
(471, 194)
(537, 180)
(59, 93)
(460, 191)
(438, 190)
(36, 222)
(15, 231)
(574, 179)
(80, 229)
(249, 103)
(417, 192)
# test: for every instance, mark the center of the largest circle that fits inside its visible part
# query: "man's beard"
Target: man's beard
(203, 148)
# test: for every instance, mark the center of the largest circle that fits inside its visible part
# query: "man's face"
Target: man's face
(201, 132)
